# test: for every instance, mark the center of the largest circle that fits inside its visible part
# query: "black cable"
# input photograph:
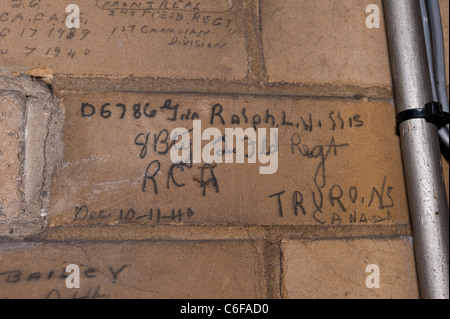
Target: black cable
(434, 39)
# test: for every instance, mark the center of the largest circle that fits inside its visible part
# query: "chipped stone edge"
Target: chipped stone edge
(43, 149)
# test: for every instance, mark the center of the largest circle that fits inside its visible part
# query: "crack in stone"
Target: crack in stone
(42, 193)
(42, 146)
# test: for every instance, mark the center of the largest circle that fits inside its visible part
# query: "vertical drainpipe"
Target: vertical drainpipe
(422, 163)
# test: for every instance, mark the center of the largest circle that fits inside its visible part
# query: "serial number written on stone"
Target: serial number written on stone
(118, 154)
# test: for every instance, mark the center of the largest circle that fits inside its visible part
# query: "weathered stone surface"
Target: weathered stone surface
(12, 120)
(31, 122)
(337, 268)
(339, 163)
(339, 177)
(232, 269)
(324, 42)
(172, 39)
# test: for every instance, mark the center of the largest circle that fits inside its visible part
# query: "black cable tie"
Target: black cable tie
(432, 113)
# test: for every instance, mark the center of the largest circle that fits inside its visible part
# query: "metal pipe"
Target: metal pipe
(427, 197)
